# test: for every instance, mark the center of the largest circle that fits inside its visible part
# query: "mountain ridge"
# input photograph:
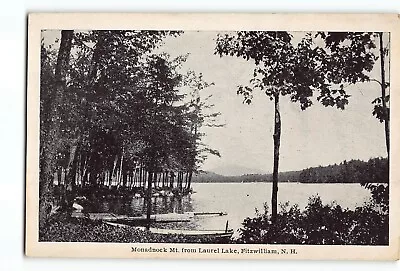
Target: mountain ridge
(375, 170)
(235, 170)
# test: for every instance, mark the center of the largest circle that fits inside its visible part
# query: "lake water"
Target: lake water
(239, 200)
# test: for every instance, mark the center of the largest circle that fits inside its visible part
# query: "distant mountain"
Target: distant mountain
(212, 177)
(235, 170)
(208, 176)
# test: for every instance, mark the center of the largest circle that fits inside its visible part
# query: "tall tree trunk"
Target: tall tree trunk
(180, 181)
(134, 178)
(83, 171)
(94, 65)
(113, 171)
(140, 177)
(189, 180)
(125, 179)
(277, 142)
(383, 94)
(70, 175)
(186, 179)
(59, 175)
(120, 169)
(137, 177)
(51, 142)
(148, 199)
(78, 169)
(171, 179)
(193, 162)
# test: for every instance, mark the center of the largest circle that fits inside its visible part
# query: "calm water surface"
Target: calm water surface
(239, 200)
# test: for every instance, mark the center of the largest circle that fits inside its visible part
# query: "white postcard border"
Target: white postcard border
(214, 22)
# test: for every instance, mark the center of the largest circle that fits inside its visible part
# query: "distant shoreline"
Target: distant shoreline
(375, 170)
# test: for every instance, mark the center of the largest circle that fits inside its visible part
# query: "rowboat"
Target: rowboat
(199, 233)
(227, 233)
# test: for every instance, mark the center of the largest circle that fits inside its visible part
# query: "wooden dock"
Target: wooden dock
(159, 218)
(210, 213)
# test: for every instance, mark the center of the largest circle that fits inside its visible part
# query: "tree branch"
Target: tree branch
(374, 80)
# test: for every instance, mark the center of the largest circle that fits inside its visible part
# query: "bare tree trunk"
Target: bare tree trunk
(171, 179)
(84, 171)
(51, 142)
(125, 179)
(148, 199)
(383, 95)
(180, 180)
(190, 180)
(193, 162)
(277, 142)
(70, 175)
(58, 171)
(113, 171)
(137, 181)
(144, 179)
(186, 179)
(120, 170)
(133, 184)
(129, 179)
(78, 169)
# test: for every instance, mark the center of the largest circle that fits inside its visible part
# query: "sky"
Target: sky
(317, 136)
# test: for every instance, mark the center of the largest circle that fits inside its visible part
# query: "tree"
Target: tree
(162, 122)
(88, 97)
(122, 107)
(359, 50)
(353, 55)
(382, 112)
(199, 115)
(283, 68)
(51, 143)
(113, 82)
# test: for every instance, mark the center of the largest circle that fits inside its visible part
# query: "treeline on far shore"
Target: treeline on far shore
(375, 170)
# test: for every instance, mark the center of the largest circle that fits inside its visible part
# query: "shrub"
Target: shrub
(318, 224)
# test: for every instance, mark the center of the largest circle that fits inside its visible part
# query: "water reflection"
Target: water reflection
(237, 200)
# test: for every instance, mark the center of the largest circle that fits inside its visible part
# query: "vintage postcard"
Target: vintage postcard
(213, 136)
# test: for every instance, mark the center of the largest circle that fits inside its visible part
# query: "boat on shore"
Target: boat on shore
(137, 222)
(219, 234)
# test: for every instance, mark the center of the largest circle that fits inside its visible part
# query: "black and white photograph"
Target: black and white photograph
(239, 141)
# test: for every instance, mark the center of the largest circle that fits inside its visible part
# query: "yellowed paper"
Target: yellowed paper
(208, 23)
